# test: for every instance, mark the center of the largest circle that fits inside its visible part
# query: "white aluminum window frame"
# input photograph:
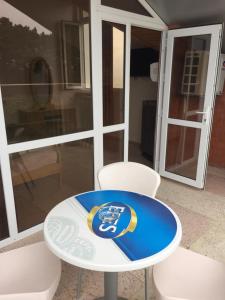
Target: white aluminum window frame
(104, 13)
(98, 14)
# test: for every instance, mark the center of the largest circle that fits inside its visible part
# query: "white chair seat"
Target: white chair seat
(29, 273)
(186, 275)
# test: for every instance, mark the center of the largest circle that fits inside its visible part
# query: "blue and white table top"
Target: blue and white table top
(112, 231)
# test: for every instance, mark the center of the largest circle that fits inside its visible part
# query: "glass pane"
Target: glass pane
(182, 150)
(113, 147)
(44, 177)
(4, 231)
(45, 68)
(24, 122)
(113, 39)
(189, 74)
(128, 5)
(145, 49)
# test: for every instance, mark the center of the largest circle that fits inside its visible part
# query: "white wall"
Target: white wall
(141, 88)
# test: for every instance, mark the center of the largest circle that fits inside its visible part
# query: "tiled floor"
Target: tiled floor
(215, 181)
(202, 217)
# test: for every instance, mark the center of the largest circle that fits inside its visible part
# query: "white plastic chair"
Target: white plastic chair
(132, 177)
(186, 275)
(29, 273)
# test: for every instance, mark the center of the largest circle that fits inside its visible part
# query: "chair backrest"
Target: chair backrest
(27, 270)
(129, 176)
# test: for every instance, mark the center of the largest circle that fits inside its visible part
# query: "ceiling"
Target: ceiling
(184, 13)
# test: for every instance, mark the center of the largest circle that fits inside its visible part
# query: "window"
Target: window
(113, 147)
(45, 68)
(44, 177)
(113, 39)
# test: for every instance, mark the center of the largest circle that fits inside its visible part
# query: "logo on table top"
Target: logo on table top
(112, 220)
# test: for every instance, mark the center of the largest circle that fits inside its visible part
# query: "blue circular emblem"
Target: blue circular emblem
(112, 220)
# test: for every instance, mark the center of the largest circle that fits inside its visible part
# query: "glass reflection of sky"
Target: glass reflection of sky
(19, 18)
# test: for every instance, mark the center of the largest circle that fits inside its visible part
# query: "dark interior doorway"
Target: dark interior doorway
(145, 53)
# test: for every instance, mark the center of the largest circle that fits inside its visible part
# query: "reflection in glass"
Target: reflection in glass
(44, 177)
(113, 36)
(189, 74)
(45, 68)
(26, 121)
(4, 231)
(41, 83)
(76, 54)
(128, 5)
(182, 150)
(113, 144)
(72, 54)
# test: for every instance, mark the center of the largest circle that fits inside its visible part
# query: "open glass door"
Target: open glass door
(188, 98)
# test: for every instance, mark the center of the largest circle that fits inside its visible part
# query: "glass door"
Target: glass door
(113, 90)
(189, 91)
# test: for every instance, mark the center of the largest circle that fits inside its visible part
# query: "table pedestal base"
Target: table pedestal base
(110, 287)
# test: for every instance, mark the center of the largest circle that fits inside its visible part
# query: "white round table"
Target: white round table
(112, 231)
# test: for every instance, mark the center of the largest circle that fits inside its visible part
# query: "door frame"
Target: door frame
(98, 13)
(159, 110)
(128, 19)
(205, 127)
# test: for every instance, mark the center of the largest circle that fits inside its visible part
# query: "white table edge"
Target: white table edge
(133, 265)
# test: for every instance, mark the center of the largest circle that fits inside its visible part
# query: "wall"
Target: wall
(217, 145)
(141, 88)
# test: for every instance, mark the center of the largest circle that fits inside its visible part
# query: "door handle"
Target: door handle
(205, 114)
(202, 112)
